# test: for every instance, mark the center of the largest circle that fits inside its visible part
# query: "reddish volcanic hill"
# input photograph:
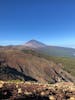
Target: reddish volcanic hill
(15, 64)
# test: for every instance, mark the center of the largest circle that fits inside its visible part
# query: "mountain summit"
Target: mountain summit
(35, 44)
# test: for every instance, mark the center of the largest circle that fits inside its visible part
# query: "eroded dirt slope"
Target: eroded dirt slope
(15, 64)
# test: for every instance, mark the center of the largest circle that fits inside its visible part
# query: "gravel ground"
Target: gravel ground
(36, 91)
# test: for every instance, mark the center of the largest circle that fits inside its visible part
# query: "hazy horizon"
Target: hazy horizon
(13, 43)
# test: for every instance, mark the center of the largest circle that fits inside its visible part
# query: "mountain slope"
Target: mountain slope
(34, 44)
(43, 48)
(50, 50)
(15, 64)
(57, 51)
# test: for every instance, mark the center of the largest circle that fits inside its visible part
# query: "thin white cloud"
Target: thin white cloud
(11, 42)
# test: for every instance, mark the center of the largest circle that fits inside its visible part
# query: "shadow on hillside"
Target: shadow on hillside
(6, 73)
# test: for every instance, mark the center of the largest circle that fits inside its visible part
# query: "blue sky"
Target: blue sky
(49, 21)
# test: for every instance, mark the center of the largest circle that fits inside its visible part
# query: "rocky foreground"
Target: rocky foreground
(36, 91)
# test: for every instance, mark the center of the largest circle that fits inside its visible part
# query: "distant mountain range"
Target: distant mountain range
(43, 48)
(50, 50)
